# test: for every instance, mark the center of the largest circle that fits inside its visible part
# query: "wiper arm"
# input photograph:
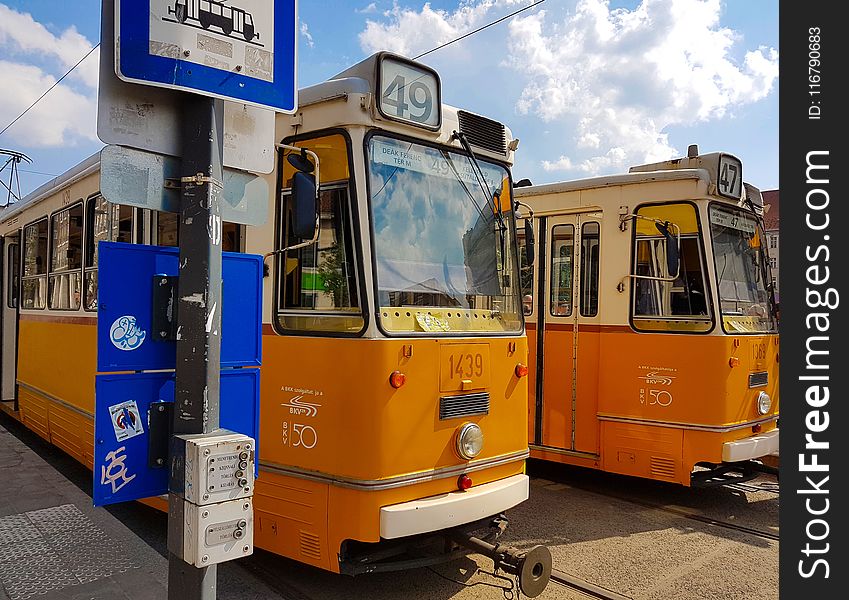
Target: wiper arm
(481, 179)
(490, 198)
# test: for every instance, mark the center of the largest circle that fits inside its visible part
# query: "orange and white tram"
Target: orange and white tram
(393, 404)
(651, 325)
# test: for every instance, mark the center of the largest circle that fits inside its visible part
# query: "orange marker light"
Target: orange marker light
(464, 482)
(733, 362)
(397, 379)
(521, 370)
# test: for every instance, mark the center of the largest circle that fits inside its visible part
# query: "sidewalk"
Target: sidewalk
(54, 545)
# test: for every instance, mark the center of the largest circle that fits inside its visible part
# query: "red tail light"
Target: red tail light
(464, 482)
(521, 370)
(397, 379)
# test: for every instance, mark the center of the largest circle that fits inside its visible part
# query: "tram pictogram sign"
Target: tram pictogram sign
(244, 50)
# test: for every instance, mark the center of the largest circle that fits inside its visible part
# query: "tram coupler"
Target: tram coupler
(533, 567)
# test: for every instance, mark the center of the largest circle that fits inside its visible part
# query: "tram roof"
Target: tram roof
(613, 180)
(82, 169)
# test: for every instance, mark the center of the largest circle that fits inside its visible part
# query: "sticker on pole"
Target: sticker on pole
(126, 420)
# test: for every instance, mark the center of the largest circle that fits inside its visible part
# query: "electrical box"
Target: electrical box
(213, 533)
(218, 467)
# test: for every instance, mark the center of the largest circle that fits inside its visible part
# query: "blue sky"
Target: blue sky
(590, 87)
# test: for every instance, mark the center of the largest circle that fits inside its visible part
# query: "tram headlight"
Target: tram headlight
(469, 441)
(764, 403)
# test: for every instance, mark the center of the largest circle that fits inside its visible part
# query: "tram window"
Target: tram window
(12, 279)
(66, 259)
(322, 277)
(232, 237)
(317, 284)
(167, 232)
(562, 243)
(589, 269)
(526, 272)
(34, 280)
(679, 305)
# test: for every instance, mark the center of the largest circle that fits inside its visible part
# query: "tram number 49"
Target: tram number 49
(465, 365)
(299, 435)
(419, 95)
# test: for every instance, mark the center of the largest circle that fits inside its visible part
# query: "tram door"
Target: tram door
(10, 264)
(564, 386)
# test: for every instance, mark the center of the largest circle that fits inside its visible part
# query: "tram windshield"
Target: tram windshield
(741, 270)
(439, 243)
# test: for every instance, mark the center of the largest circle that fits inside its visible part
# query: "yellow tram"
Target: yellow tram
(393, 398)
(651, 325)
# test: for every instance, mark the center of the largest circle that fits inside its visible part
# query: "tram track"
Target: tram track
(585, 587)
(681, 512)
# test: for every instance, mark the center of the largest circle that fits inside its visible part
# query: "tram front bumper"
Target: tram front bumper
(749, 448)
(452, 509)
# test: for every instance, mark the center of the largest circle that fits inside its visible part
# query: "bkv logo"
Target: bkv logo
(654, 377)
(298, 407)
(126, 334)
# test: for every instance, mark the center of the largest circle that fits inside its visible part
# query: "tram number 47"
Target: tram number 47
(465, 365)
(298, 435)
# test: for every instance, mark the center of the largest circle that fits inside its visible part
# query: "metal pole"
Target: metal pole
(198, 365)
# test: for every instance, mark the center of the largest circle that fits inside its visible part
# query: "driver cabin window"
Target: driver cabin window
(317, 283)
(664, 300)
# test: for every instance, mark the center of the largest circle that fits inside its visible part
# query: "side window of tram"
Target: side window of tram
(321, 277)
(562, 245)
(589, 269)
(317, 284)
(168, 232)
(105, 222)
(680, 304)
(34, 280)
(13, 282)
(66, 258)
(526, 271)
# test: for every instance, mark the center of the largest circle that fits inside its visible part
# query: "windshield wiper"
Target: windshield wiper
(490, 197)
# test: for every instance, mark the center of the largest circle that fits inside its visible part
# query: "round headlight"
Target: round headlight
(469, 441)
(764, 403)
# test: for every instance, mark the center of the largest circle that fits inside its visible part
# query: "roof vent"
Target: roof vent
(482, 132)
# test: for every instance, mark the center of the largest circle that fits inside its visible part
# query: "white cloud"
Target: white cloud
(370, 9)
(627, 76)
(611, 81)
(305, 32)
(61, 115)
(410, 32)
(33, 60)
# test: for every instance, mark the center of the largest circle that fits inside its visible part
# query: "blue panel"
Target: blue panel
(121, 434)
(125, 341)
(136, 63)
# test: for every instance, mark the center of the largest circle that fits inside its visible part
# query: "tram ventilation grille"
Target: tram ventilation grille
(663, 467)
(453, 407)
(483, 133)
(758, 379)
(310, 545)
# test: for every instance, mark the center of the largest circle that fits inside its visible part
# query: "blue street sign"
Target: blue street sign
(243, 50)
(122, 428)
(128, 277)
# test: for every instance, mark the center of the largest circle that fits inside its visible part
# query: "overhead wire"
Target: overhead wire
(465, 35)
(58, 81)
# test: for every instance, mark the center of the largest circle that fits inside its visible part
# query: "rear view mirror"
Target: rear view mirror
(304, 206)
(671, 248)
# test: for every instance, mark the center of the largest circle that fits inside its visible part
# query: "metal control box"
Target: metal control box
(213, 533)
(217, 467)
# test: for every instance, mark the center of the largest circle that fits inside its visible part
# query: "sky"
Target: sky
(590, 87)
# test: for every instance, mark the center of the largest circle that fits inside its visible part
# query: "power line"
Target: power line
(513, 14)
(50, 88)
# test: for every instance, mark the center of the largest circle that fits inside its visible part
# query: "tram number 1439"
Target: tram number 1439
(465, 366)
(298, 435)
